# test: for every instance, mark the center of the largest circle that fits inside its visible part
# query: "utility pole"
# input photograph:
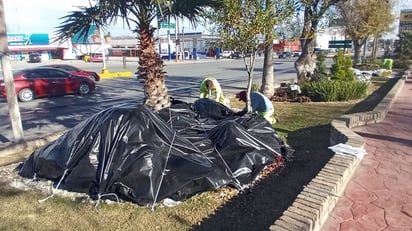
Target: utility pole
(169, 54)
(183, 41)
(177, 49)
(103, 51)
(159, 25)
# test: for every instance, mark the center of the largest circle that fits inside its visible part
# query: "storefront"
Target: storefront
(22, 45)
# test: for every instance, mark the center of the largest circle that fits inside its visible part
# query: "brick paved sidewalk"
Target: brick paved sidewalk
(379, 195)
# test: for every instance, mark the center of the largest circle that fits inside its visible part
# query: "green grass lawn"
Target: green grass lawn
(304, 126)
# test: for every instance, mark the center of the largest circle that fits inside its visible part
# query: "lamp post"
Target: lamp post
(177, 46)
(169, 54)
(103, 51)
(183, 42)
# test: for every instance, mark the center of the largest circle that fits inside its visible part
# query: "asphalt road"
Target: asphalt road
(48, 115)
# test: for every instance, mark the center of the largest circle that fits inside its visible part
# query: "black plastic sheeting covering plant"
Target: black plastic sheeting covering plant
(144, 157)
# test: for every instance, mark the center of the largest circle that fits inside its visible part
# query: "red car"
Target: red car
(39, 82)
(75, 70)
(97, 58)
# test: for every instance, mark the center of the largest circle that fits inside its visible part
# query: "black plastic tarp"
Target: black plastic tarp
(145, 157)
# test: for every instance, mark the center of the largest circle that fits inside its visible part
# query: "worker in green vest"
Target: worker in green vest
(210, 88)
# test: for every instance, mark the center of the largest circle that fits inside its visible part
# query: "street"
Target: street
(48, 115)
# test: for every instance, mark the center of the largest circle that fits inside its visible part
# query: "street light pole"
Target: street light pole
(183, 42)
(169, 55)
(177, 47)
(103, 51)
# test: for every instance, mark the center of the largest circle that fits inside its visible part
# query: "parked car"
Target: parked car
(39, 82)
(236, 55)
(75, 70)
(285, 55)
(34, 58)
(226, 54)
(96, 58)
(297, 54)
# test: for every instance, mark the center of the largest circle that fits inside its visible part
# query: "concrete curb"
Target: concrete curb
(117, 74)
(313, 205)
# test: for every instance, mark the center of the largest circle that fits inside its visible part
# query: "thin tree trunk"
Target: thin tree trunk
(375, 46)
(250, 69)
(267, 87)
(12, 103)
(357, 46)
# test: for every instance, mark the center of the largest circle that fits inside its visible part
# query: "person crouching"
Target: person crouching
(210, 88)
(260, 104)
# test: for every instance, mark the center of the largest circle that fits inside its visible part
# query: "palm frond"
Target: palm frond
(80, 22)
(189, 9)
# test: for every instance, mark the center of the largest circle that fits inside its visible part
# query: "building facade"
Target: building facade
(22, 45)
(405, 21)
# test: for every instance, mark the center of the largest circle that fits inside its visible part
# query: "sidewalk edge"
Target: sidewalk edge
(330, 183)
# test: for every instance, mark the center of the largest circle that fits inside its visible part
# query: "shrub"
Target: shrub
(405, 55)
(341, 69)
(371, 64)
(401, 63)
(320, 71)
(334, 90)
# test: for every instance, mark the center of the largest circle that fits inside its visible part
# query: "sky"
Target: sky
(42, 16)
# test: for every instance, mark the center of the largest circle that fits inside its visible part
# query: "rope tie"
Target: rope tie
(101, 195)
(52, 189)
(163, 172)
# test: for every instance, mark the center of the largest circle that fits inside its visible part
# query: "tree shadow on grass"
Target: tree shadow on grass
(260, 207)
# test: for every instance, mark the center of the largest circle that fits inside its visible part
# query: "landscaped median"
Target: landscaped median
(306, 127)
(314, 204)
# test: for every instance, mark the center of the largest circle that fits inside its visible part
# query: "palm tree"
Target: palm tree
(139, 14)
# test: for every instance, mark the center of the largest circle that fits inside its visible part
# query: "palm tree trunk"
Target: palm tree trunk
(12, 103)
(151, 71)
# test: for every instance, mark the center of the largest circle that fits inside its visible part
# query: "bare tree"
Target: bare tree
(12, 102)
(313, 12)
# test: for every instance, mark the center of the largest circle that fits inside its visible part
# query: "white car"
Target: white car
(226, 54)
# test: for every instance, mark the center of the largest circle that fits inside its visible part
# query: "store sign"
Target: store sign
(17, 39)
(27, 39)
